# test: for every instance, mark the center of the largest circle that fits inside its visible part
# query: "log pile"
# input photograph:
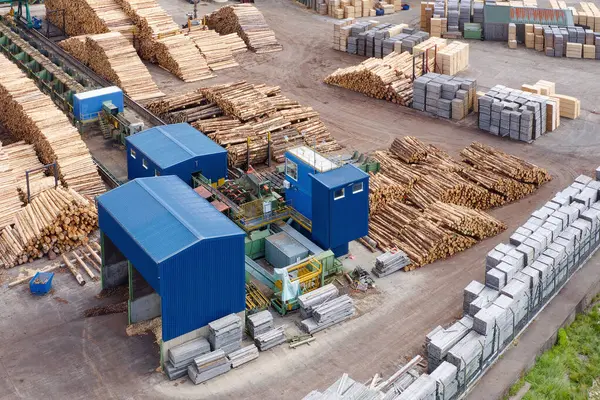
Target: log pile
(230, 114)
(90, 17)
(57, 220)
(32, 116)
(235, 42)
(389, 78)
(162, 41)
(215, 50)
(9, 196)
(114, 58)
(249, 23)
(486, 157)
(439, 212)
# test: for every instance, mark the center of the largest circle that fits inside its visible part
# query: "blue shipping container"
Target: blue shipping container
(190, 253)
(87, 105)
(177, 149)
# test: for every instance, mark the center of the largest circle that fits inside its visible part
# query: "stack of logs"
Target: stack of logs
(427, 204)
(214, 48)
(32, 116)
(57, 220)
(240, 116)
(114, 58)
(89, 17)
(249, 23)
(389, 78)
(15, 159)
(162, 41)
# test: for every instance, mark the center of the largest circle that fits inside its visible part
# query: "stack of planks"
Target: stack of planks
(114, 58)
(57, 220)
(162, 41)
(216, 51)
(232, 114)
(427, 204)
(389, 78)
(90, 17)
(235, 43)
(249, 23)
(32, 116)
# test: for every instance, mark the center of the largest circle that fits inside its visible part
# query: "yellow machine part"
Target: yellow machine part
(255, 299)
(308, 274)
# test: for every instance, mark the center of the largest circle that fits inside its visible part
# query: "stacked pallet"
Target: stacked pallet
(57, 220)
(183, 355)
(113, 57)
(249, 23)
(309, 301)
(162, 41)
(390, 262)
(225, 333)
(259, 323)
(32, 116)
(454, 58)
(217, 52)
(329, 313)
(512, 36)
(208, 366)
(429, 49)
(376, 78)
(570, 107)
(444, 95)
(89, 17)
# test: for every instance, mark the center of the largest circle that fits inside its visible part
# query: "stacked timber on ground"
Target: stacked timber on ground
(231, 114)
(389, 78)
(15, 159)
(114, 58)
(249, 23)
(437, 212)
(214, 48)
(162, 41)
(57, 220)
(235, 43)
(32, 116)
(90, 17)
(323, 308)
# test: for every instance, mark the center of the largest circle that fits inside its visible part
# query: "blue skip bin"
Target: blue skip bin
(41, 283)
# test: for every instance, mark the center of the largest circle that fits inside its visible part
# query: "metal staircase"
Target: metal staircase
(104, 126)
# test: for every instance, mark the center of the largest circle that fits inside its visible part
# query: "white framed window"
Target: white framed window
(144, 163)
(132, 153)
(357, 188)
(291, 169)
(156, 172)
(338, 194)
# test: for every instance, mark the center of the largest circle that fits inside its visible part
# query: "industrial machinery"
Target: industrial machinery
(21, 13)
(115, 125)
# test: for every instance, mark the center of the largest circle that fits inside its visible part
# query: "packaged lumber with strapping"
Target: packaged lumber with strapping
(57, 220)
(32, 116)
(249, 23)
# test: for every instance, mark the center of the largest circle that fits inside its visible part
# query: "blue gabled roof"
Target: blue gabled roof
(163, 215)
(340, 176)
(168, 145)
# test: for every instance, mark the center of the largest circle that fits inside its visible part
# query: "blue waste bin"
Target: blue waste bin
(41, 283)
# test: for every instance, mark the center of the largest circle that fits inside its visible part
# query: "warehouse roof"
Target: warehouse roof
(340, 176)
(163, 215)
(168, 145)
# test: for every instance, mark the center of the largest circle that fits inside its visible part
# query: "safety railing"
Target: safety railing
(538, 298)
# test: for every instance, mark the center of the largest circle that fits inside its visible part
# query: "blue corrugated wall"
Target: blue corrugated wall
(194, 296)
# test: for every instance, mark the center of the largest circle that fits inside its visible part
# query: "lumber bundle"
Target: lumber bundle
(57, 220)
(32, 116)
(249, 23)
(215, 50)
(113, 57)
(486, 157)
(570, 107)
(90, 17)
(235, 42)
(162, 41)
(388, 78)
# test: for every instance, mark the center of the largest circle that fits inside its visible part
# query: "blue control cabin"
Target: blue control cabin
(183, 259)
(335, 198)
(340, 207)
(177, 149)
(87, 105)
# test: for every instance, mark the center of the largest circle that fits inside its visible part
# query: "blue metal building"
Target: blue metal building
(87, 105)
(340, 207)
(187, 252)
(300, 163)
(177, 149)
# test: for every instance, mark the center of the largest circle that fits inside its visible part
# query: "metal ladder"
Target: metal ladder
(104, 126)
